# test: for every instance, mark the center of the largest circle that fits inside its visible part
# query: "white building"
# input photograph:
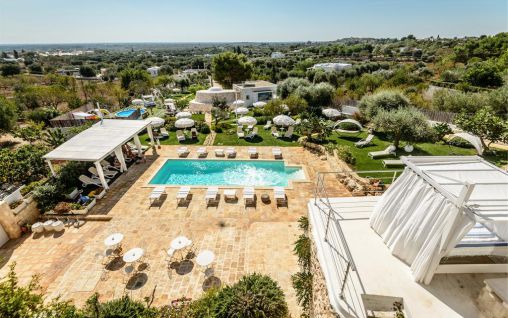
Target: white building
(255, 91)
(331, 66)
(154, 70)
(278, 55)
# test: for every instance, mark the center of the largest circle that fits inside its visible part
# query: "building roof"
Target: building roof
(258, 83)
(98, 141)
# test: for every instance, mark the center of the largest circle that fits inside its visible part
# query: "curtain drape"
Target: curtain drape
(418, 224)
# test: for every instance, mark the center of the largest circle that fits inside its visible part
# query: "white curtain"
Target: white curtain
(418, 224)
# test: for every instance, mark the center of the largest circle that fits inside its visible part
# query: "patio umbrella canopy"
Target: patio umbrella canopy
(283, 120)
(183, 115)
(184, 123)
(241, 111)
(259, 104)
(238, 103)
(138, 102)
(331, 112)
(247, 120)
(155, 121)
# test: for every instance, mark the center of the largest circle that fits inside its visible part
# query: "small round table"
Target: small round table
(113, 240)
(179, 243)
(205, 258)
(133, 255)
(265, 198)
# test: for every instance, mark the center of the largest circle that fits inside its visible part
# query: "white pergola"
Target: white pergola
(99, 141)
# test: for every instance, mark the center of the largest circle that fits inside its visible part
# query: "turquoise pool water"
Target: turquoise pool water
(127, 112)
(226, 173)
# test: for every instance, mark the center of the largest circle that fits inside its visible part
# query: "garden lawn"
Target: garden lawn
(145, 140)
(364, 162)
(264, 138)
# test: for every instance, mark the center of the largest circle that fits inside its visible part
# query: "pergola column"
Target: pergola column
(138, 145)
(150, 134)
(51, 167)
(121, 159)
(98, 166)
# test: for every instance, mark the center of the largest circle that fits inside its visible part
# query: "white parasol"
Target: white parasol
(259, 104)
(331, 112)
(183, 115)
(184, 123)
(283, 120)
(241, 111)
(238, 103)
(138, 102)
(155, 121)
(247, 120)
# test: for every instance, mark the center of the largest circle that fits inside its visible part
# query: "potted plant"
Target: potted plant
(77, 208)
(17, 206)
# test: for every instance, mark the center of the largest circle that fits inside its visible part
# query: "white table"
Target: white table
(133, 255)
(113, 240)
(205, 258)
(179, 243)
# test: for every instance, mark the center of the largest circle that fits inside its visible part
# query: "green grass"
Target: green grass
(364, 162)
(264, 138)
(145, 140)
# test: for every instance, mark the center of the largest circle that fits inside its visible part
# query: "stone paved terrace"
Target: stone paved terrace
(248, 240)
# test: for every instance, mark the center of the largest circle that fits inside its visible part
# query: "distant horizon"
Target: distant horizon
(57, 22)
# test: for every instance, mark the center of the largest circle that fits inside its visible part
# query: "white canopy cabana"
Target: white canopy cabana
(247, 120)
(183, 115)
(283, 120)
(472, 139)
(331, 112)
(241, 111)
(349, 121)
(99, 141)
(435, 203)
(184, 123)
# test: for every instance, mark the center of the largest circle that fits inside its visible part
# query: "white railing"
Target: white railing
(375, 183)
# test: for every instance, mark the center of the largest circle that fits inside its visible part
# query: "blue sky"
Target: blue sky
(78, 21)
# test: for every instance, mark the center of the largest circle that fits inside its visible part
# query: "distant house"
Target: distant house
(278, 55)
(331, 66)
(255, 91)
(69, 71)
(193, 71)
(154, 70)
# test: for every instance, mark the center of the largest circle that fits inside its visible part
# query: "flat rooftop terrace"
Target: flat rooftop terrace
(378, 272)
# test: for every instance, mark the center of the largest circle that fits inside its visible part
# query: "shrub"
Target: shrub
(258, 112)
(22, 165)
(382, 100)
(441, 130)
(170, 123)
(47, 196)
(254, 295)
(69, 174)
(124, 307)
(204, 129)
(289, 86)
(345, 154)
(459, 142)
(43, 114)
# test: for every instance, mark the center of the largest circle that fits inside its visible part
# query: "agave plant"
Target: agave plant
(302, 249)
(302, 283)
(54, 137)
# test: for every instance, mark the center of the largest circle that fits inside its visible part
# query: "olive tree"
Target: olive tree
(229, 68)
(401, 124)
(382, 100)
(8, 115)
(483, 123)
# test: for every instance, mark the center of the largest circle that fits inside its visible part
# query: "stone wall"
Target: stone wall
(321, 307)
(10, 219)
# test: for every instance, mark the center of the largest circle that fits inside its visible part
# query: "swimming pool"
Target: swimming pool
(128, 112)
(226, 173)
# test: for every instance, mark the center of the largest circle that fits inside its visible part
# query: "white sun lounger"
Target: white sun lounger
(289, 133)
(211, 195)
(230, 152)
(279, 195)
(253, 152)
(389, 151)
(248, 195)
(180, 136)
(275, 133)
(253, 133)
(239, 132)
(107, 166)
(277, 153)
(268, 125)
(392, 163)
(156, 194)
(89, 181)
(219, 152)
(229, 194)
(182, 151)
(364, 142)
(182, 194)
(164, 132)
(202, 152)
(107, 173)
